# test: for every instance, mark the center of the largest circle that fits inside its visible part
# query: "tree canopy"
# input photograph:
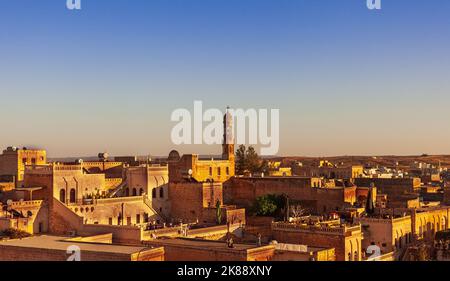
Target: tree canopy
(248, 161)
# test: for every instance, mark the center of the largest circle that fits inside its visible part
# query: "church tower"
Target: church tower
(228, 137)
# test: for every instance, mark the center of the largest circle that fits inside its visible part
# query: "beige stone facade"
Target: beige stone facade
(150, 180)
(346, 240)
(13, 161)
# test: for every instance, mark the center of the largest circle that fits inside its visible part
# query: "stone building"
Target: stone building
(27, 216)
(395, 188)
(447, 193)
(68, 192)
(207, 250)
(195, 185)
(55, 248)
(70, 184)
(346, 240)
(13, 161)
(243, 191)
(191, 166)
(427, 221)
(295, 252)
(194, 201)
(150, 180)
(390, 234)
(328, 170)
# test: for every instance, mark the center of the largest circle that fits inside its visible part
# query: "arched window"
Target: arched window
(141, 191)
(127, 192)
(161, 192)
(134, 192)
(210, 171)
(72, 197)
(62, 195)
(154, 193)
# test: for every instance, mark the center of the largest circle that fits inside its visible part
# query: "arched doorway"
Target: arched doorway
(72, 196)
(134, 192)
(62, 195)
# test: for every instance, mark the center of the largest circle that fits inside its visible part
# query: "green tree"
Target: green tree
(252, 160)
(248, 161)
(241, 160)
(268, 205)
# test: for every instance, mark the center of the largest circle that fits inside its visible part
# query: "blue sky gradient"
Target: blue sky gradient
(347, 80)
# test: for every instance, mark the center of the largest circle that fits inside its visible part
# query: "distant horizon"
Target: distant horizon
(275, 156)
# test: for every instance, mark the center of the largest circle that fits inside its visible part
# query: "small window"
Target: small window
(154, 193)
(210, 171)
(161, 192)
(138, 218)
(219, 171)
(227, 170)
(110, 221)
(24, 161)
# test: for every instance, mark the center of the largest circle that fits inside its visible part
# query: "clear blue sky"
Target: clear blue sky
(347, 80)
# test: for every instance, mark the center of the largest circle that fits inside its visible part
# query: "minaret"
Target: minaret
(228, 137)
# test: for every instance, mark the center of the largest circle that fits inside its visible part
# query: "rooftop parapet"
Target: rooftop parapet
(336, 229)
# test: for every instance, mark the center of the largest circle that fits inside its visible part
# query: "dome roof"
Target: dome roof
(174, 156)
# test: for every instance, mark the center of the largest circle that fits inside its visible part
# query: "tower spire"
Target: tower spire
(228, 138)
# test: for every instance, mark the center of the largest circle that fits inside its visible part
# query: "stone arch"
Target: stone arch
(350, 254)
(357, 250)
(62, 195)
(72, 195)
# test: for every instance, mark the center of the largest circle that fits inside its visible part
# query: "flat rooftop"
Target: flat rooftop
(61, 243)
(204, 244)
